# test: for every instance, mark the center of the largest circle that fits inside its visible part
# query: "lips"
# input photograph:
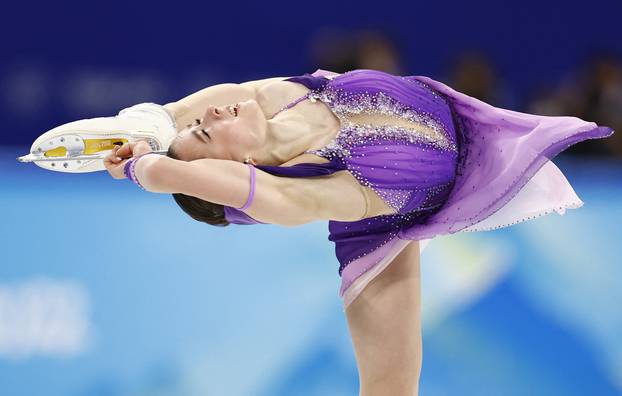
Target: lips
(234, 110)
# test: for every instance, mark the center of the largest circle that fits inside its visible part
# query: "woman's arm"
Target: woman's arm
(193, 106)
(278, 200)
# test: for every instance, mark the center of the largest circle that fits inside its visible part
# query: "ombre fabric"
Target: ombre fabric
(477, 167)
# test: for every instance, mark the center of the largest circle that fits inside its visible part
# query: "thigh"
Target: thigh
(385, 325)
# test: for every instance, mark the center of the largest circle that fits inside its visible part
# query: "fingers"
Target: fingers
(115, 161)
(112, 158)
(114, 164)
(140, 148)
(115, 158)
(133, 149)
(126, 150)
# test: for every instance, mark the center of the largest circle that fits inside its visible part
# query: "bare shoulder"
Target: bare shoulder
(275, 94)
(258, 84)
(279, 83)
(279, 88)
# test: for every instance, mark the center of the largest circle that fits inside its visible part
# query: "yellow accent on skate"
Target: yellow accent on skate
(56, 152)
(91, 146)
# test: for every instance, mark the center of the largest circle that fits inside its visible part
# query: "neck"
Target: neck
(287, 137)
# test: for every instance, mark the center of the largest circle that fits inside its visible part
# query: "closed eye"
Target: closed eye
(205, 133)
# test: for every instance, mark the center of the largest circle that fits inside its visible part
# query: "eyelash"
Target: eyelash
(204, 132)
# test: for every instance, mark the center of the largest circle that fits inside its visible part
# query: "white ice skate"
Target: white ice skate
(80, 146)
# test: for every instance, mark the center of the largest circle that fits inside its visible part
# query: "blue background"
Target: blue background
(161, 305)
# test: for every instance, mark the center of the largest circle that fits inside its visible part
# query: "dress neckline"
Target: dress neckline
(314, 84)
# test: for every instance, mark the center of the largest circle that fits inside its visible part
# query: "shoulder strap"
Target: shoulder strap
(310, 81)
(305, 169)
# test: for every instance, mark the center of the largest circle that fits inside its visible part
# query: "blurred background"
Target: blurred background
(108, 290)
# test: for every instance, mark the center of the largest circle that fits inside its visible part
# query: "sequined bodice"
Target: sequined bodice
(397, 137)
(424, 129)
(371, 115)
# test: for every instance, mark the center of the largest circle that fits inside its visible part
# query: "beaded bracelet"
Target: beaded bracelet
(251, 194)
(128, 169)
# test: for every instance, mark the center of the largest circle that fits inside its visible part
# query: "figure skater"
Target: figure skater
(390, 162)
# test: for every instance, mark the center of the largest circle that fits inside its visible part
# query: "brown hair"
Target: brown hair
(198, 209)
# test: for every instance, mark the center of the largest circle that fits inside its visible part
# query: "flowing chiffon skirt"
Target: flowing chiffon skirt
(505, 176)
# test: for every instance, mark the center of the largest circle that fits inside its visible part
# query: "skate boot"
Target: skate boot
(80, 146)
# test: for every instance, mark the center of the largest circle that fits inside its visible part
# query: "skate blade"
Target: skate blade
(75, 153)
(37, 158)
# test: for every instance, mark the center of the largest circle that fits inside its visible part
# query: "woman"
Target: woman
(388, 160)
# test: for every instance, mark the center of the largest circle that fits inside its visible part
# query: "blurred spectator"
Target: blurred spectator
(473, 74)
(546, 99)
(377, 51)
(341, 51)
(594, 93)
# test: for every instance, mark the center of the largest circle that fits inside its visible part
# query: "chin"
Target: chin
(255, 111)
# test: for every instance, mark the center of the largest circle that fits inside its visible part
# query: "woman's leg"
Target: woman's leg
(385, 325)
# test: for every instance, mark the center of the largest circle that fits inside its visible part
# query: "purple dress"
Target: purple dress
(475, 167)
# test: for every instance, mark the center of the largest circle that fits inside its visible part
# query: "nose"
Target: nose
(213, 112)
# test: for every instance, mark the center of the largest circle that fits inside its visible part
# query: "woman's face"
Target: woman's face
(231, 132)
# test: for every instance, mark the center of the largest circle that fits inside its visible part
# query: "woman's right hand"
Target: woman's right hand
(118, 157)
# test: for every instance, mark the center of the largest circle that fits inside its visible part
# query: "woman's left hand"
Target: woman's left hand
(118, 157)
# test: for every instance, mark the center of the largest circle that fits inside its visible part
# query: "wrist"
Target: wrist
(135, 169)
